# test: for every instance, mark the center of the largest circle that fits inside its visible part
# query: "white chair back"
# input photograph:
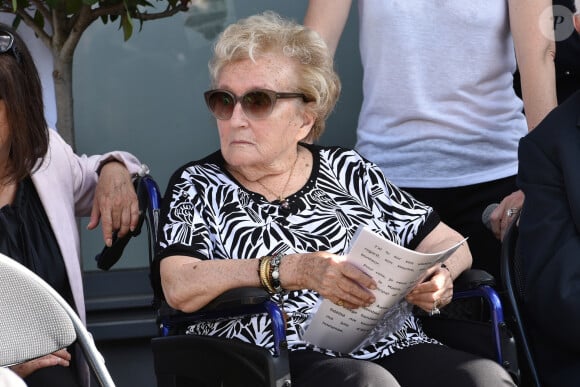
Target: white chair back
(35, 321)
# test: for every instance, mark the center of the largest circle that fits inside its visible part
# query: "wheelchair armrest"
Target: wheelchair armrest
(223, 304)
(237, 297)
(269, 364)
(148, 196)
(473, 278)
(234, 302)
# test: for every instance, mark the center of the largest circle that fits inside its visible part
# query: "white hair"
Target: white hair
(577, 5)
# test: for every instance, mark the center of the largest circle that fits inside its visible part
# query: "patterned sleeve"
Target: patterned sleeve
(409, 219)
(182, 226)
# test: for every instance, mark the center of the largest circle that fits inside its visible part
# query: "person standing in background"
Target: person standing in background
(567, 60)
(567, 48)
(439, 113)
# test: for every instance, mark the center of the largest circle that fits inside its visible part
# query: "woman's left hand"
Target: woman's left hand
(505, 213)
(435, 292)
(115, 202)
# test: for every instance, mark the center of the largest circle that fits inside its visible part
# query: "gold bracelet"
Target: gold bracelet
(264, 273)
(261, 272)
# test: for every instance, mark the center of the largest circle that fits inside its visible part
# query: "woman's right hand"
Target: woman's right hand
(333, 278)
(58, 358)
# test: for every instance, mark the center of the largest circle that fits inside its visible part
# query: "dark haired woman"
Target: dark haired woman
(44, 187)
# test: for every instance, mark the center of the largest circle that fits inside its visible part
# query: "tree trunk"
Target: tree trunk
(64, 95)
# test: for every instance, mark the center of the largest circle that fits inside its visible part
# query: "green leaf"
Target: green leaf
(127, 25)
(52, 3)
(72, 6)
(16, 22)
(19, 4)
(39, 19)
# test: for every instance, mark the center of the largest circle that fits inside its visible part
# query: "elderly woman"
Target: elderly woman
(271, 210)
(44, 187)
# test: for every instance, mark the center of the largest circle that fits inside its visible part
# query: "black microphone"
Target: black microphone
(485, 216)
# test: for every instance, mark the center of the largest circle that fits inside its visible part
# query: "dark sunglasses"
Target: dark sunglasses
(256, 104)
(7, 44)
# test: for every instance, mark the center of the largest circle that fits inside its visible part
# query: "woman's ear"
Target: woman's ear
(308, 115)
(576, 19)
(308, 120)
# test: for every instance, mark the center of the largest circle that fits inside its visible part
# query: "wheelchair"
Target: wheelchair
(194, 360)
(511, 273)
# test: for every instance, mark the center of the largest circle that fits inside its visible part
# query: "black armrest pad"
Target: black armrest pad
(230, 299)
(110, 255)
(238, 297)
(473, 278)
(235, 302)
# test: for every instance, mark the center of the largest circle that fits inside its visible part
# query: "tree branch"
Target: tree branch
(82, 21)
(114, 9)
(40, 6)
(29, 21)
(169, 11)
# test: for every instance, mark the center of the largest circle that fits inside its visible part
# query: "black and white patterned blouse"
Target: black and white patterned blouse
(207, 214)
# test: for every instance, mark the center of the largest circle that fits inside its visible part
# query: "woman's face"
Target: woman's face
(259, 143)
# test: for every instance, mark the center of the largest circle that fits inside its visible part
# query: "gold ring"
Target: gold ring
(340, 302)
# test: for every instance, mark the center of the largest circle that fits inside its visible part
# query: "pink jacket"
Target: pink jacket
(65, 183)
